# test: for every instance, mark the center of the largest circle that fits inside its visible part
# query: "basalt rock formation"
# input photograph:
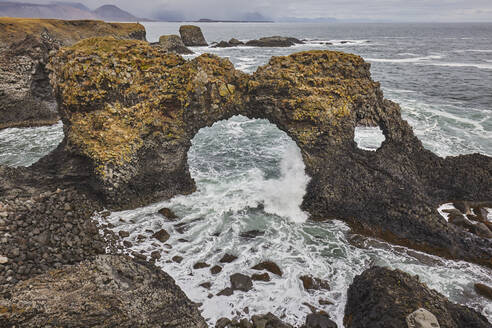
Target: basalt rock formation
(130, 112)
(26, 97)
(107, 291)
(380, 297)
(192, 36)
(173, 43)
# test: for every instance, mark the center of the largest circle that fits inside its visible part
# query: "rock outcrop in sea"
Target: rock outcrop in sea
(26, 97)
(192, 36)
(130, 112)
(380, 297)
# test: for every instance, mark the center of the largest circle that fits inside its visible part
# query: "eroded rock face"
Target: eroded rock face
(380, 297)
(108, 291)
(192, 36)
(130, 111)
(26, 96)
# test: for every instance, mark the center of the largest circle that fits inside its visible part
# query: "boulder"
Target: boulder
(380, 297)
(319, 320)
(228, 258)
(268, 266)
(168, 213)
(241, 282)
(311, 283)
(261, 277)
(223, 44)
(108, 291)
(235, 42)
(421, 318)
(192, 36)
(274, 41)
(216, 269)
(174, 44)
(161, 235)
(26, 96)
(484, 290)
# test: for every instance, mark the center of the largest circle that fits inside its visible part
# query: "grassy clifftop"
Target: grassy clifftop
(66, 32)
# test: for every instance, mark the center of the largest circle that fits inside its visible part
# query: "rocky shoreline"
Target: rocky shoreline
(123, 149)
(26, 96)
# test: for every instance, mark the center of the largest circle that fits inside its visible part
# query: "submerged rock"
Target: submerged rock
(223, 44)
(274, 41)
(108, 291)
(161, 235)
(173, 43)
(310, 283)
(380, 297)
(168, 213)
(26, 96)
(268, 266)
(192, 36)
(241, 282)
(484, 290)
(132, 149)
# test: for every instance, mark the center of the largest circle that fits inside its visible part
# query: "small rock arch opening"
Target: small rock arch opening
(369, 138)
(250, 163)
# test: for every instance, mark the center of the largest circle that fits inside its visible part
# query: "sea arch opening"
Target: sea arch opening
(249, 163)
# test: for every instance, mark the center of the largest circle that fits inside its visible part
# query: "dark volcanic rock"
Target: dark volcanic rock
(215, 269)
(260, 277)
(319, 320)
(235, 42)
(311, 283)
(173, 43)
(108, 291)
(241, 282)
(484, 290)
(223, 44)
(383, 298)
(257, 321)
(228, 258)
(318, 98)
(268, 266)
(200, 265)
(161, 235)
(26, 96)
(168, 213)
(192, 36)
(274, 41)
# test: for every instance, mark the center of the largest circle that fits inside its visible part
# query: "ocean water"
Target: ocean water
(250, 175)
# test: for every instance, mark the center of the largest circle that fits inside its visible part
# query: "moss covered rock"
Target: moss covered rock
(26, 97)
(131, 110)
(173, 43)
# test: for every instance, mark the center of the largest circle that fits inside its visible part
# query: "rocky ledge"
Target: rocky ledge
(107, 291)
(26, 97)
(130, 112)
(380, 297)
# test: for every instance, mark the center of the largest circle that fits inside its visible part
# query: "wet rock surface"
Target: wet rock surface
(257, 321)
(107, 291)
(26, 96)
(135, 148)
(380, 297)
(192, 36)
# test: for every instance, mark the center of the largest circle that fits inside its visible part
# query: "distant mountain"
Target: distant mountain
(113, 13)
(65, 10)
(59, 11)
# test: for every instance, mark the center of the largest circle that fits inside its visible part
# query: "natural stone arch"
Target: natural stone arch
(130, 111)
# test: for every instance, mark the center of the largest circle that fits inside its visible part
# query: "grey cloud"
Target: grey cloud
(388, 10)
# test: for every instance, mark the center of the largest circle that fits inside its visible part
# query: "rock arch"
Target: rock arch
(130, 111)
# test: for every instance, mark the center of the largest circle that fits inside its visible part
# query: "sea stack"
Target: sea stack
(192, 36)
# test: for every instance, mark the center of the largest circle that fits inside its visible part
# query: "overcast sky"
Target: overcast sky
(388, 10)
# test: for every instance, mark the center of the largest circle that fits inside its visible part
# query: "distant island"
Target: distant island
(207, 20)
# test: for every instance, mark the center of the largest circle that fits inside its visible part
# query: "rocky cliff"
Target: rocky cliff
(26, 97)
(130, 112)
